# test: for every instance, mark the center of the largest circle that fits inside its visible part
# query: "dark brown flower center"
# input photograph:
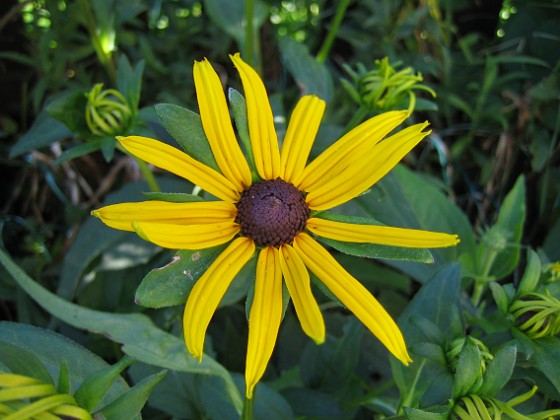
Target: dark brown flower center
(272, 212)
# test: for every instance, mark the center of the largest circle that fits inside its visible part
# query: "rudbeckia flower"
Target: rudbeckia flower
(276, 215)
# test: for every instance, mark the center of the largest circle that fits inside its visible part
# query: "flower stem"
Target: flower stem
(148, 175)
(248, 409)
(104, 58)
(249, 47)
(327, 44)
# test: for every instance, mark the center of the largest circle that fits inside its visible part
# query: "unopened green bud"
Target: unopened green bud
(537, 314)
(107, 111)
(384, 87)
(23, 397)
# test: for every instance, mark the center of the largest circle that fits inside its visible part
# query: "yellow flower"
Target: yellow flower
(276, 216)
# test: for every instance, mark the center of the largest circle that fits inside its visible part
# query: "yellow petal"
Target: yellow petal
(121, 216)
(366, 171)
(265, 316)
(299, 285)
(209, 290)
(352, 294)
(173, 160)
(384, 235)
(264, 140)
(336, 158)
(187, 236)
(302, 129)
(216, 121)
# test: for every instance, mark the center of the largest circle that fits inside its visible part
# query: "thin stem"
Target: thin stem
(249, 29)
(327, 44)
(356, 119)
(104, 58)
(248, 408)
(148, 175)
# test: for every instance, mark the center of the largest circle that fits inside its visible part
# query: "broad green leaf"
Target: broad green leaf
(69, 108)
(311, 76)
(54, 350)
(44, 131)
(92, 390)
(468, 369)
(511, 219)
(94, 237)
(307, 402)
(131, 402)
(331, 365)
(141, 339)
(438, 300)
(170, 285)
(499, 371)
(185, 127)
(546, 356)
(23, 362)
(406, 200)
(531, 275)
(435, 211)
(372, 250)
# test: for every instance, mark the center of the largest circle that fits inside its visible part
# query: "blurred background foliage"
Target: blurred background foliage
(489, 171)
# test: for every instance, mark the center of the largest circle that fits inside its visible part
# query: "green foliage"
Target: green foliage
(481, 320)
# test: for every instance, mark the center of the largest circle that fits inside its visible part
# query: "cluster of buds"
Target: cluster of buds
(107, 111)
(537, 314)
(22, 397)
(384, 87)
(474, 406)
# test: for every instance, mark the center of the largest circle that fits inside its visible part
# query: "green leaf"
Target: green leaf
(510, 219)
(171, 197)
(500, 296)
(141, 339)
(170, 285)
(70, 108)
(435, 211)
(229, 16)
(44, 131)
(546, 356)
(129, 81)
(332, 365)
(499, 371)
(79, 150)
(94, 238)
(92, 390)
(438, 301)
(417, 414)
(54, 350)
(372, 250)
(312, 403)
(531, 275)
(239, 111)
(130, 403)
(185, 127)
(407, 200)
(468, 369)
(311, 76)
(23, 362)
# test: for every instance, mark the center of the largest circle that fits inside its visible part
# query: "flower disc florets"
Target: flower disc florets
(272, 212)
